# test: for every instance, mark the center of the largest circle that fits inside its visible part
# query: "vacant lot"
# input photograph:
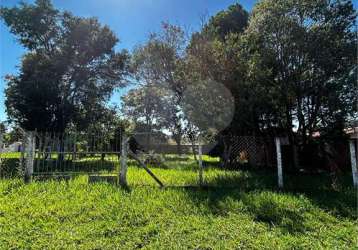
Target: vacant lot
(75, 214)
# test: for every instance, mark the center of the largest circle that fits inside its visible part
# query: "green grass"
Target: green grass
(10, 155)
(253, 215)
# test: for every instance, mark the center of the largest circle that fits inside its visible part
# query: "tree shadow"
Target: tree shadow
(70, 166)
(176, 158)
(259, 197)
(269, 212)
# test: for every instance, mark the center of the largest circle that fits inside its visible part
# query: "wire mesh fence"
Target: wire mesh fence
(149, 158)
(173, 161)
(11, 157)
(75, 152)
(245, 151)
(199, 161)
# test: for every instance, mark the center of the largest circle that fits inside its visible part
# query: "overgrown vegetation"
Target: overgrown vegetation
(79, 215)
(287, 68)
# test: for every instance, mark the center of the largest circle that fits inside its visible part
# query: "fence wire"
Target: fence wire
(76, 152)
(99, 152)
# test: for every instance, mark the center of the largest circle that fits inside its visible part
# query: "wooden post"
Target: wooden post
(200, 152)
(123, 170)
(352, 150)
(29, 148)
(279, 162)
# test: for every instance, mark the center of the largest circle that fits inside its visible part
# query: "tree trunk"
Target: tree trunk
(61, 155)
(292, 140)
(226, 154)
(179, 148)
(177, 139)
(194, 150)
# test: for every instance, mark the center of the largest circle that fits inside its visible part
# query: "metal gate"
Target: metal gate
(73, 153)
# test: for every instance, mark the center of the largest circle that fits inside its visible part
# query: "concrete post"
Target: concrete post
(123, 170)
(29, 149)
(279, 162)
(352, 150)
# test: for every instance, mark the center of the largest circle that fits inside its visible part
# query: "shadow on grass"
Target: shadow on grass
(258, 196)
(68, 166)
(256, 193)
(177, 158)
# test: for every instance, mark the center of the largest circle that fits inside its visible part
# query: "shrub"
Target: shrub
(9, 168)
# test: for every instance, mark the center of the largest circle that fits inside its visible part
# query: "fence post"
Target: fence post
(200, 152)
(353, 162)
(123, 170)
(279, 162)
(29, 149)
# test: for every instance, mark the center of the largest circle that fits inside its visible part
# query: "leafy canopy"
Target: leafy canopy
(69, 71)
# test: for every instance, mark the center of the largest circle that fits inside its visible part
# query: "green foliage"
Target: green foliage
(291, 69)
(158, 66)
(303, 52)
(215, 53)
(10, 167)
(75, 214)
(231, 21)
(151, 105)
(69, 71)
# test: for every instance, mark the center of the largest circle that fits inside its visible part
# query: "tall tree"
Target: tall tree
(159, 62)
(231, 21)
(214, 54)
(281, 76)
(70, 68)
(303, 53)
(148, 105)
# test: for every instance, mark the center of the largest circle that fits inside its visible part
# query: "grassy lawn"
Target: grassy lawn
(10, 155)
(253, 215)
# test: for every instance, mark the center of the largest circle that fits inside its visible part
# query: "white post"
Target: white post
(200, 152)
(123, 171)
(29, 167)
(353, 162)
(279, 162)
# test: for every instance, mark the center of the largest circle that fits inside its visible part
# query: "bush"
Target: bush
(9, 168)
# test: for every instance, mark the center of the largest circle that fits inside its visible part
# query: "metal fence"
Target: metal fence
(159, 153)
(12, 157)
(75, 152)
(52, 153)
(238, 151)
(98, 152)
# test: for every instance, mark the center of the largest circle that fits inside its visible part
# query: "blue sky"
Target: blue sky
(131, 20)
